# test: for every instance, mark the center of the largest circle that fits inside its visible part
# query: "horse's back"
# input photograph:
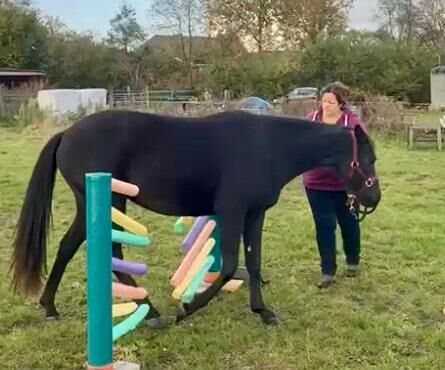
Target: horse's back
(142, 146)
(181, 164)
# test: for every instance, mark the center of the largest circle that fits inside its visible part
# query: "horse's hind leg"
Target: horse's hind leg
(153, 317)
(252, 249)
(68, 247)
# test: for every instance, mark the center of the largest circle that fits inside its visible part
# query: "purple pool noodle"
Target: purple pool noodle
(127, 267)
(194, 232)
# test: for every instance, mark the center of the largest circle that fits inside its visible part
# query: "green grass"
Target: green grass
(388, 318)
(429, 118)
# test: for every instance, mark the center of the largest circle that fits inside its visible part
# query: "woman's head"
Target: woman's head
(333, 98)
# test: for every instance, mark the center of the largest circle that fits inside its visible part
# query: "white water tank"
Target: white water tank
(438, 87)
(61, 101)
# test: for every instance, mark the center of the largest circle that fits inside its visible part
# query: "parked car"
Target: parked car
(299, 93)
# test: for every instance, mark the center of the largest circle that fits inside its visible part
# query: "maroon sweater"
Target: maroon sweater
(325, 178)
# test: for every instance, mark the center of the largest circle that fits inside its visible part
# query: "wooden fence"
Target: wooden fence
(12, 99)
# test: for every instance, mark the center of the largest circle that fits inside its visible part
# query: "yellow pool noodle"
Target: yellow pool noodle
(194, 268)
(187, 220)
(127, 223)
(123, 309)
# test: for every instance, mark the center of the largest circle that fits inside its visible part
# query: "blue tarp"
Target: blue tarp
(255, 105)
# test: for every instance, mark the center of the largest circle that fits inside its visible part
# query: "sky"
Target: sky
(95, 15)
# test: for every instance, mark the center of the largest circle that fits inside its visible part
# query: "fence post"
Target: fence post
(147, 98)
(2, 105)
(226, 99)
(411, 134)
(111, 97)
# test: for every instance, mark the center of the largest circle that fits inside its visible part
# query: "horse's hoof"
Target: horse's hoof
(268, 317)
(156, 322)
(52, 317)
(270, 320)
(181, 313)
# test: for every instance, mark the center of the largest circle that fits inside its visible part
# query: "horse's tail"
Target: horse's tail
(29, 245)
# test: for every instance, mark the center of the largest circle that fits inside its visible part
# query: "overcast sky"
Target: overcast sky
(362, 14)
(95, 15)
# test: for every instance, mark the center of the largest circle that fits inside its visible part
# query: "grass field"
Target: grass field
(390, 317)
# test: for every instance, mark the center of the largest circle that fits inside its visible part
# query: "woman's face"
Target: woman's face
(330, 105)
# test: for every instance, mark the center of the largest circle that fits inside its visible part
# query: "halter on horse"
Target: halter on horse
(368, 181)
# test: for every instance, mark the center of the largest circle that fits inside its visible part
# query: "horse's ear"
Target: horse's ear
(360, 134)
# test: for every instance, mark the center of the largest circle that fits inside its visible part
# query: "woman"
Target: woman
(327, 196)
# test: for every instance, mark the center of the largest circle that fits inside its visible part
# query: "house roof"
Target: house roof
(14, 72)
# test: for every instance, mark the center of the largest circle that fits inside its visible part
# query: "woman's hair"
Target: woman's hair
(340, 90)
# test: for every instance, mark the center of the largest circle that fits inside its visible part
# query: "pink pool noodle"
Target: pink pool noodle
(192, 253)
(124, 188)
(126, 291)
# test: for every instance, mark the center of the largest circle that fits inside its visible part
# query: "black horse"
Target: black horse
(232, 165)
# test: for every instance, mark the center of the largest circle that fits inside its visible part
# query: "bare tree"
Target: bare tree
(400, 18)
(183, 18)
(431, 23)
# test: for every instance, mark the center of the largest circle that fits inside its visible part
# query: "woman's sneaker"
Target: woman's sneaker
(326, 281)
(352, 270)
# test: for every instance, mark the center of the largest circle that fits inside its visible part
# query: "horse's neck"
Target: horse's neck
(302, 148)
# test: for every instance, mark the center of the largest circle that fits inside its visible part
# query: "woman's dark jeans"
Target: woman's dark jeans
(328, 207)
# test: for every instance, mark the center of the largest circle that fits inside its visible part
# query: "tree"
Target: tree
(23, 39)
(183, 18)
(431, 24)
(399, 18)
(364, 62)
(252, 19)
(77, 61)
(16, 3)
(304, 20)
(259, 74)
(54, 25)
(125, 33)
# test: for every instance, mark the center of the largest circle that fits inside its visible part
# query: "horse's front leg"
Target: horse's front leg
(252, 249)
(231, 226)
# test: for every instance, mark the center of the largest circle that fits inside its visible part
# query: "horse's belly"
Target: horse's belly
(172, 196)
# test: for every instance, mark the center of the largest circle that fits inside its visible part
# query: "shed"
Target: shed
(13, 78)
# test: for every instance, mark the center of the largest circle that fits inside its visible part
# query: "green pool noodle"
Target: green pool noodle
(216, 250)
(197, 279)
(130, 322)
(124, 237)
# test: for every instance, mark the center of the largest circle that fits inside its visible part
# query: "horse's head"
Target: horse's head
(362, 184)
